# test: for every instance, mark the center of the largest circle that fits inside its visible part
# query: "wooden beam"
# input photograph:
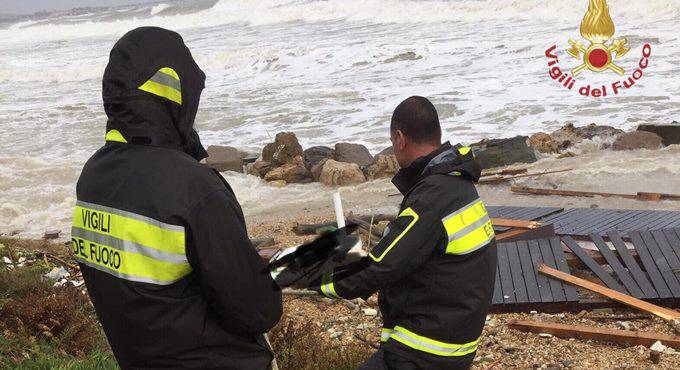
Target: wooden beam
(626, 337)
(664, 313)
(575, 193)
(506, 222)
(499, 179)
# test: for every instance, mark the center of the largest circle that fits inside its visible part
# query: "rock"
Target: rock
(336, 334)
(316, 154)
(57, 273)
(658, 346)
(316, 169)
(283, 150)
(625, 325)
(295, 172)
(545, 335)
(224, 158)
(670, 134)
(655, 356)
(353, 153)
(503, 152)
(637, 140)
(569, 135)
(543, 143)
(370, 312)
(676, 325)
(387, 151)
(51, 234)
(567, 363)
(250, 157)
(339, 173)
(259, 168)
(383, 166)
(6, 260)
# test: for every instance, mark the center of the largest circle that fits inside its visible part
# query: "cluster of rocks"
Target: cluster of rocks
(284, 161)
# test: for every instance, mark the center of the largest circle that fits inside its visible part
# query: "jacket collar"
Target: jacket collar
(447, 159)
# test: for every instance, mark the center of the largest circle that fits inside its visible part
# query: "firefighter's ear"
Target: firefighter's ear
(398, 140)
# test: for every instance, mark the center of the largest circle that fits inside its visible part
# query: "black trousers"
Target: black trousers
(387, 360)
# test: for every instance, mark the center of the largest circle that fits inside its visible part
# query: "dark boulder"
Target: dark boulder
(670, 134)
(353, 153)
(503, 152)
(315, 154)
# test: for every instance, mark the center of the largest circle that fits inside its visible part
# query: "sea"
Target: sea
(330, 71)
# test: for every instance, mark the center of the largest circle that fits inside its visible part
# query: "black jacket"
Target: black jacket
(435, 267)
(160, 238)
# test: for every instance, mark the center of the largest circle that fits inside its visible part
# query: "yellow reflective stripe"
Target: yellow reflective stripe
(115, 135)
(169, 71)
(328, 288)
(127, 265)
(385, 334)
(468, 229)
(128, 226)
(408, 212)
(432, 346)
(163, 91)
(464, 150)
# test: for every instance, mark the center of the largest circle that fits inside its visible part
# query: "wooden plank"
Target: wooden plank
(661, 263)
(588, 224)
(674, 240)
(504, 271)
(650, 266)
(667, 250)
(664, 313)
(528, 272)
(613, 225)
(541, 280)
(515, 223)
(556, 287)
(516, 273)
(615, 264)
(561, 262)
(497, 290)
(592, 265)
(632, 266)
(625, 337)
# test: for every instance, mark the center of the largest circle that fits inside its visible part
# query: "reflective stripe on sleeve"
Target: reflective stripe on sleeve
(327, 287)
(385, 334)
(166, 84)
(431, 346)
(468, 228)
(408, 212)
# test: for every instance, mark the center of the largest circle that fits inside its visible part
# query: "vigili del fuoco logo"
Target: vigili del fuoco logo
(599, 55)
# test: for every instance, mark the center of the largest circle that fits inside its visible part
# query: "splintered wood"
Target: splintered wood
(574, 193)
(625, 337)
(662, 312)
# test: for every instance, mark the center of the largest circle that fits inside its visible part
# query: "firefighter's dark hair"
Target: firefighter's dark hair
(417, 118)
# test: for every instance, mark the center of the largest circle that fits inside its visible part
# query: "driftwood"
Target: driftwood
(496, 179)
(589, 194)
(626, 337)
(504, 172)
(664, 313)
(310, 229)
(366, 226)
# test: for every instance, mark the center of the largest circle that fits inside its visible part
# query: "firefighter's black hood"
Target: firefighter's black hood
(447, 159)
(142, 117)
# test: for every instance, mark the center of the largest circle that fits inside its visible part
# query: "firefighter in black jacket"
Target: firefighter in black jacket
(435, 266)
(161, 239)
